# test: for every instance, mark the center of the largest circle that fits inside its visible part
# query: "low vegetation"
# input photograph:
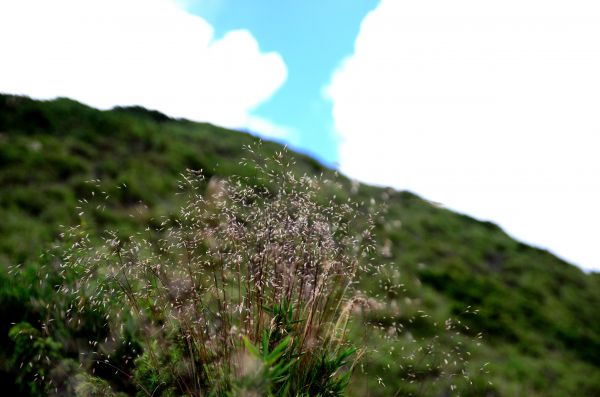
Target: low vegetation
(106, 181)
(247, 292)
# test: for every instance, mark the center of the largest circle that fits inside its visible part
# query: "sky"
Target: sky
(488, 107)
(312, 36)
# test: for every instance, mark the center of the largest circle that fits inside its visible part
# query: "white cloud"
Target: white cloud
(490, 107)
(134, 52)
(268, 129)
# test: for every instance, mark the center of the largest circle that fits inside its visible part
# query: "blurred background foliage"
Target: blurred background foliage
(539, 316)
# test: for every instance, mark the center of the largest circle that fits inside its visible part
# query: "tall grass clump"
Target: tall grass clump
(247, 291)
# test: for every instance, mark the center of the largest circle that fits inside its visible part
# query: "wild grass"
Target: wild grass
(248, 292)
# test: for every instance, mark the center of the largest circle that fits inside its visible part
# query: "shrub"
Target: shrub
(38, 352)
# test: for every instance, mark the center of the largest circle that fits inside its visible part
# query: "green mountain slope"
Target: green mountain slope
(539, 315)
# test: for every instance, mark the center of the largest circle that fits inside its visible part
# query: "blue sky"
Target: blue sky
(488, 107)
(313, 37)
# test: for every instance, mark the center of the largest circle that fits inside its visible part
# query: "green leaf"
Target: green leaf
(251, 348)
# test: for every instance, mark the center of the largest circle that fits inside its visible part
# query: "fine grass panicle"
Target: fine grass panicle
(407, 350)
(248, 291)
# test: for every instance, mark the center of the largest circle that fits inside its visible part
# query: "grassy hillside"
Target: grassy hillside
(540, 316)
